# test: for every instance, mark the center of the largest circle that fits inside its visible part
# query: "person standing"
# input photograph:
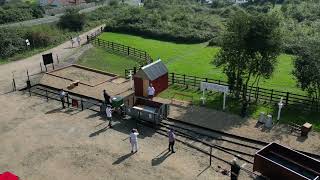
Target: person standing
(172, 139)
(106, 97)
(134, 140)
(79, 40)
(62, 97)
(109, 115)
(151, 91)
(72, 41)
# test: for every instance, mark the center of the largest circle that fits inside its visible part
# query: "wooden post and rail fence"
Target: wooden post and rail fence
(256, 93)
(142, 56)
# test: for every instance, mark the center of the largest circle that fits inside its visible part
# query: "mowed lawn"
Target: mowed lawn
(101, 59)
(190, 59)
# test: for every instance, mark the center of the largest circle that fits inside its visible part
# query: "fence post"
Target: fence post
(14, 84)
(81, 104)
(128, 50)
(88, 39)
(271, 95)
(210, 156)
(219, 82)
(134, 70)
(68, 100)
(184, 79)
(194, 81)
(112, 46)
(98, 42)
(287, 98)
(172, 75)
(40, 66)
(257, 94)
(206, 79)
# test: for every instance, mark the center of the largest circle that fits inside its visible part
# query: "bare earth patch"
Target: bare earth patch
(39, 141)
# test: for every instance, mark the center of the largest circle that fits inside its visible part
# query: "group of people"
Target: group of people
(133, 139)
(74, 40)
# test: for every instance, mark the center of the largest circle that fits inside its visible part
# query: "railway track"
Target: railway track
(216, 144)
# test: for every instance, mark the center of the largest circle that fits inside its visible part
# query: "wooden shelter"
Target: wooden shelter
(155, 73)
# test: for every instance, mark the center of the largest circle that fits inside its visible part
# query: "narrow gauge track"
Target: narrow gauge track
(233, 136)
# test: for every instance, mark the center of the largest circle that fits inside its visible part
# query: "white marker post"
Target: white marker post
(131, 76)
(203, 98)
(280, 104)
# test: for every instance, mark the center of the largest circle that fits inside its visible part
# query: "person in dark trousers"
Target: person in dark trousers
(235, 169)
(62, 97)
(106, 97)
(172, 139)
(109, 115)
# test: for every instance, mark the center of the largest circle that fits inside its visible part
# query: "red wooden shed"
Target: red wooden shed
(155, 73)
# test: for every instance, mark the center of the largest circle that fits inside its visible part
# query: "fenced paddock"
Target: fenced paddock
(254, 93)
(142, 56)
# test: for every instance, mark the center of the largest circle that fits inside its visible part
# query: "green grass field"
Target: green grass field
(196, 59)
(101, 59)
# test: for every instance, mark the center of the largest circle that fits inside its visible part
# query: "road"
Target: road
(51, 19)
(47, 19)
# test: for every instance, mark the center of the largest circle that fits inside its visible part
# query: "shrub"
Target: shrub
(72, 20)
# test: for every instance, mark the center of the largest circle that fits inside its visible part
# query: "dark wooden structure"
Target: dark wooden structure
(279, 162)
(155, 73)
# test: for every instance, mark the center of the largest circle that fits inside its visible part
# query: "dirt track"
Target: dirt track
(32, 64)
(39, 141)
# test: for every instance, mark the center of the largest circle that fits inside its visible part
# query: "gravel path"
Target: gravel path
(32, 64)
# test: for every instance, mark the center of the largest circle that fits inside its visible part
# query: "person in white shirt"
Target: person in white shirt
(151, 91)
(109, 115)
(134, 140)
(62, 97)
(79, 40)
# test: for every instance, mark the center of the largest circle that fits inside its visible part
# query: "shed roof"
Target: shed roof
(152, 71)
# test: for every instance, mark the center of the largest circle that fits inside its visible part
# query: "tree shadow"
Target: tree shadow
(160, 157)
(122, 158)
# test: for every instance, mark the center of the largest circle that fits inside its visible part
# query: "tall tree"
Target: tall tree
(249, 50)
(307, 68)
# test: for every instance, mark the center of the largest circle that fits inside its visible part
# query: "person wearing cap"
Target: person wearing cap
(109, 115)
(235, 169)
(134, 140)
(151, 91)
(172, 139)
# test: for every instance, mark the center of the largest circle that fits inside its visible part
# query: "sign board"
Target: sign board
(212, 86)
(47, 59)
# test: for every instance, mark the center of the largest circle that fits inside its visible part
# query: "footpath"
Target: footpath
(19, 68)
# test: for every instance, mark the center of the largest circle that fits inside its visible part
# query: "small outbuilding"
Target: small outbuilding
(155, 73)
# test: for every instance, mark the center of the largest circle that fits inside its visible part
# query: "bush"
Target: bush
(19, 12)
(72, 20)
(11, 42)
(113, 2)
(38, 38)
